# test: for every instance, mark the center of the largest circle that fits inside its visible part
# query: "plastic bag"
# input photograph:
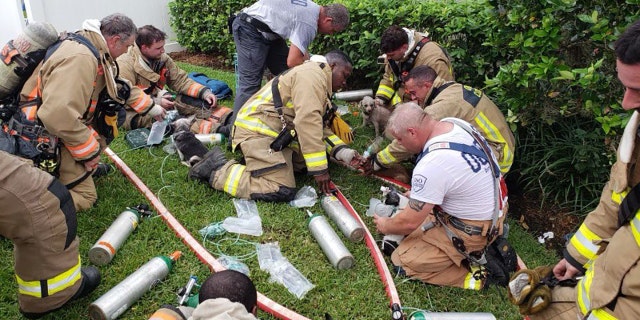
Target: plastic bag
(306, 197)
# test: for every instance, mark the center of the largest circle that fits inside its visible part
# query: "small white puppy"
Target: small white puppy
(375, 115)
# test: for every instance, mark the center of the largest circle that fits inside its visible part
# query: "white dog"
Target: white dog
(375, 115)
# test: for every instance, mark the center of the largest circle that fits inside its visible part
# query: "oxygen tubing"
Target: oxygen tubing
(264, 303)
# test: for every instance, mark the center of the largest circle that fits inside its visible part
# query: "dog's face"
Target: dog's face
(182, 124)
(367, 104)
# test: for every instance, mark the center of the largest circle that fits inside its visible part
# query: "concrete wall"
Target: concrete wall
(69, 14)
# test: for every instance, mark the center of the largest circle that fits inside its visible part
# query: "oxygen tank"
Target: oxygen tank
(345, 221)
(426, 315)
(21, 55)
(117, 300)
(211, 138)
(106, 247)
(353, 95)
(331, 245)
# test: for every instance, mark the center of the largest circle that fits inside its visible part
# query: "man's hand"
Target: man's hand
(211, 99)
(166, 102)
(91, 164)
(157, 112)
(379, 102)
(323, 182)
(380, 223)
(349, 156)
(367, 165)
(564, 270)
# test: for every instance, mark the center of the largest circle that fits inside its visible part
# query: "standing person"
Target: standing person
(603, 254)
(452, 200)
(405, 49)
(299, 100)
(150, 69)
(224, 295)
(442, 99)
(38, 216)
(261, 30)
(65, 104)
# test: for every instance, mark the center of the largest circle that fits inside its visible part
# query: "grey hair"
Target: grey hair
(118, 24)
(339, 15)
(338, 57)
(406, 115)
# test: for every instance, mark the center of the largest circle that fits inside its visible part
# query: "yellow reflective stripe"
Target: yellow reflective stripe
(316, 159)
(233, 179)
(635, 229)
(491, 133)
(601, 314)
(385, 157)
(584, 240)
(472, 283)
(263, 96)
(396, 99)
(583, 288)
(255, 125)
(54, 285)
(385, 91)
(334, 141)
(617, 197)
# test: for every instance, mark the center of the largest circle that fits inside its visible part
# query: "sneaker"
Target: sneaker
(102, 169)
(90, 281)
(212, 161)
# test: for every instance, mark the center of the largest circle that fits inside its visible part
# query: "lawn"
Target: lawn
(354, 293)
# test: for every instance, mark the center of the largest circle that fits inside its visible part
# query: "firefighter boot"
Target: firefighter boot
(90, 281)
(212, 161)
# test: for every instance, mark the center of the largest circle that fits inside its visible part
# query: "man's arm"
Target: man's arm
(406, 221)
(296, 56)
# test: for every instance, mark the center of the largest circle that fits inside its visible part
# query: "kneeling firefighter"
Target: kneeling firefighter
(38, 216)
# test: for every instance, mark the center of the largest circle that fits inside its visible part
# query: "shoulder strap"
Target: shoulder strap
(74, 37)
(436, 91)
(408, 65)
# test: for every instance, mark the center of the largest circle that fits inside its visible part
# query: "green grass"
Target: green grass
(356, 293)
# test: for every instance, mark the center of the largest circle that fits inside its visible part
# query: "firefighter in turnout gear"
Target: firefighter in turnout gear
(603, 254)
(149, 69)
(442, 99)
(72, 99)
(282, 129)
(38, 216)
(403, 50)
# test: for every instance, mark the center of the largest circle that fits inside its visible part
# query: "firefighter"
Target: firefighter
(403, 50)
(456, 203)
(603, 254)
(150, 69)
(282, 129)
(38, 216)
(68, 106)
(441, 99)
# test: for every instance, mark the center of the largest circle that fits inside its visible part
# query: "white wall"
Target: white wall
(11, 20)
(69, 14)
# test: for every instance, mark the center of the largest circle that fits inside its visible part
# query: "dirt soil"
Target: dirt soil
(523, 208)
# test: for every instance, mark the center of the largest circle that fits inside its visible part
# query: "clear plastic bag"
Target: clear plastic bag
(306, 197)
(285, 273)
(268, 254)
(245, 208)
(232, 263)
(251, 226)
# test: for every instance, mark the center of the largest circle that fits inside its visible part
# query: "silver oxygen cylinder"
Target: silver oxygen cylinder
(211, 138)
(349, 226)
(426, 315)
(353, 95)
(117, 300)
(111, 240)
(330, 242)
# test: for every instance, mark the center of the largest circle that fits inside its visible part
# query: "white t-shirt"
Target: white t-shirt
(460, 183)
(295, 20)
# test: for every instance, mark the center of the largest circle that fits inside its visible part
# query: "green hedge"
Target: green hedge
(548, 64)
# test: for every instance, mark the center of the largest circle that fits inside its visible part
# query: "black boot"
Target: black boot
(212, 161)
(90, 281)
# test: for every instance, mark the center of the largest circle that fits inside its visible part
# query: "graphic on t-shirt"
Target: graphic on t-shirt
(418, 182)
